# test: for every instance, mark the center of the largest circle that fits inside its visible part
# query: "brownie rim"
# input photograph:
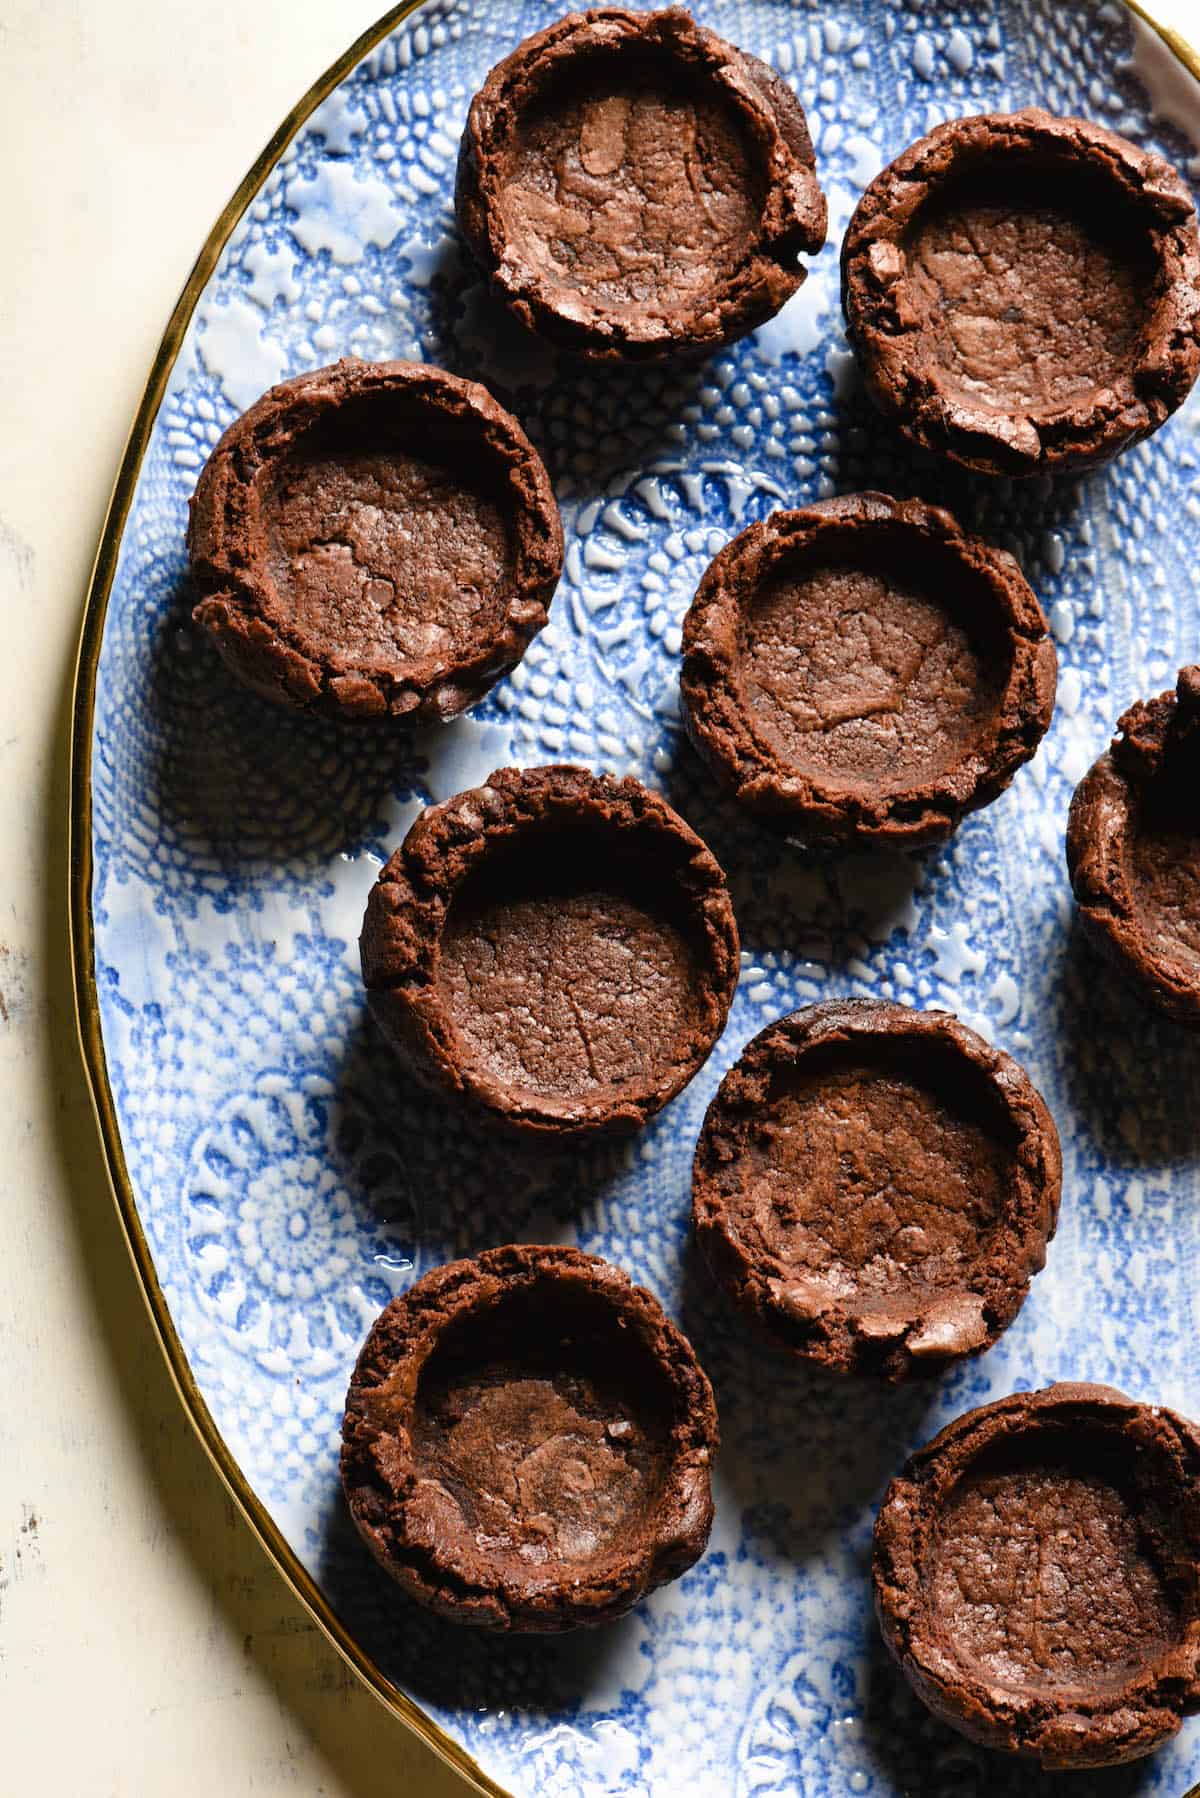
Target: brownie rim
(411, 900)
(719, 718)
(1025, 1723)
(1101, 823)
(223, 512)
(1017, 1240)
(793, 220)
(1162, 371)
(682, 1511)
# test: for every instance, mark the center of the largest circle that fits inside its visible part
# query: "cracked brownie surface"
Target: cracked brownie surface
(374, 540)
(381, 550)
(863, 670)
(527, 1441)
(1024, 303)
(1023, 292)
(1035, 1573)
(1133, 849)
(562, 991)
(876, 1186)
(636, 187)
(854, 672)
(556, 946)
(633, 192)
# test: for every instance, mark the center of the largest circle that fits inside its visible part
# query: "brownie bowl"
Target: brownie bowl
(1036, 1572)
(1133, 850)
(556, 947)
(374, 541)
(875, 1187)
(527, 1442)
(864, 671)
(1023, 292)
(634, 187)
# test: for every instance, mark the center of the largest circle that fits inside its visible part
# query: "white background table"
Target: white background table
(147, 1648)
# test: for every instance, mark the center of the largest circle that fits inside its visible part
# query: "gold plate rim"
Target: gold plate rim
(82, 937)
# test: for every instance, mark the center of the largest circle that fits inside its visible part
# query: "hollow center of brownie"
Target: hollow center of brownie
(1165, 866)
(383, 553)
(1031, 288)
(1046, 1576)
(544, 1430)
(860, 667)
(632, 184)
(563, 976)
(873, 1180)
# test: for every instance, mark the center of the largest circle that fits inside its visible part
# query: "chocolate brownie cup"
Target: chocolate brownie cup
(1037, 1575)
(1133, 849)
(875, 1187)
(863, 671)
(527, 1442)
(635, 187)
(374, 540)
(1023, 292)
(555, 946)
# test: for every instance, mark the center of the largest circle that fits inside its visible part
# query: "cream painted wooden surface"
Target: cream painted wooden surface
(146, 1646)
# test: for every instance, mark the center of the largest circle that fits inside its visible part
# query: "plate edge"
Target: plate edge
(79, 865)
(1189, 56)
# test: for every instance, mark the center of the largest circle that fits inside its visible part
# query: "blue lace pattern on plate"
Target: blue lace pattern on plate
(288, 1182)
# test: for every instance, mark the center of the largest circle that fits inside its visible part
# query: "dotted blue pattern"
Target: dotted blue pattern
(289, 1183)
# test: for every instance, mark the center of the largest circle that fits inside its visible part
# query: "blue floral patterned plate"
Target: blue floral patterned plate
(280, 1183)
